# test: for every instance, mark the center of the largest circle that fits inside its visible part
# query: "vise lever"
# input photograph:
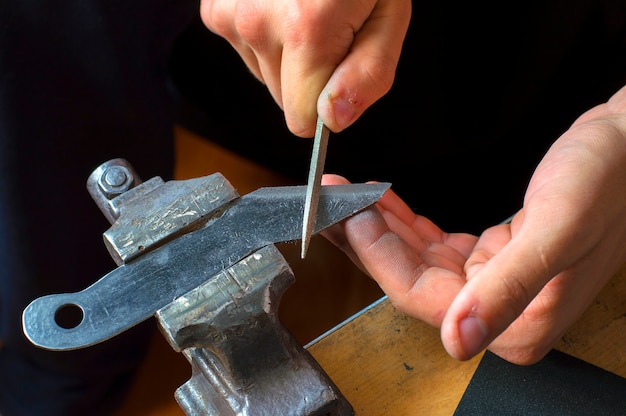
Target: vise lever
(203, 261)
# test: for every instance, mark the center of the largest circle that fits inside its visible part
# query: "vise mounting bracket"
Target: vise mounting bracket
(202, 260)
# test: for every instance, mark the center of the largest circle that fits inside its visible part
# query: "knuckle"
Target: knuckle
(302, 22)
(382, 73)
(529, 339)
(299, 127)
(527, 355)
(515, 296)
(250, 24)
(215, 17)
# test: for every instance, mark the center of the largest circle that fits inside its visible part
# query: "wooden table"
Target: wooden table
(383, 362)
(388, 364)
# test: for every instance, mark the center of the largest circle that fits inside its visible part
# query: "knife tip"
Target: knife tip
(305, 246)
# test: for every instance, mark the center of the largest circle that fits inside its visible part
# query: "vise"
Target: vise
(202, 260)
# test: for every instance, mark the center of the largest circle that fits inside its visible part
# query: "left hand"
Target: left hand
(519, 286)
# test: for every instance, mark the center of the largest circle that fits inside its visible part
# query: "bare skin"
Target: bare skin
(519, 286)
(321, 57)
(516, 288)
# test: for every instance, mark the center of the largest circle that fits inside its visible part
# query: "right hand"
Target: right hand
(326, 57)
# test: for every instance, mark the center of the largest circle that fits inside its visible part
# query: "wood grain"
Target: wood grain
(388, 364)
(383, 362)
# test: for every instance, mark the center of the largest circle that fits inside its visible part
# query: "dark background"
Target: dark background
(481, 92)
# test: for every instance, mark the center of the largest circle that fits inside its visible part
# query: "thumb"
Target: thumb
(368, 70)
(504, 276)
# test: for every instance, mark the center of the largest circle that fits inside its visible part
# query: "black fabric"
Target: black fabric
(81, 82)
(482, 90)
(558, 385)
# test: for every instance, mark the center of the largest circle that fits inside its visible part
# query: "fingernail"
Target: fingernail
(342, 107)
(471, 271)
(473, 334)
(344, 111)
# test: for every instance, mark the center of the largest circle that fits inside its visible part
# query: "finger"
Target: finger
(393, 203)
(331, 179)
(321, 35)
(261, 37)
(218, 17)
(543, 322)
(413, 229)
(385, 247)
(249, 28)
(489, 243)
(557, 227)
(415, 287)
(335, 234)
(423, 227)
(269, 70)
(503, 280)
(559, 304)
(215, 15)
(368, 70)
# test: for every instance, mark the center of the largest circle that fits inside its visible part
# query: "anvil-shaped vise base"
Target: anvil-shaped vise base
(203, 261)
(244, 361)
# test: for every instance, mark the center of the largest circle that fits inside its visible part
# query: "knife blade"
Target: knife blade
(314, 185)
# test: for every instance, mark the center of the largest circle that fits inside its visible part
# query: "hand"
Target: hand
(335, 58)
(519, 286)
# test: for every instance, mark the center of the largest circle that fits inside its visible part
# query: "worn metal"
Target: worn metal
(244, 361)
(202, 259)
(110, 183)
(137, 289)
(162, 214)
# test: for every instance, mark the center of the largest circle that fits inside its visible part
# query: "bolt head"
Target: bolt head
(115, 180)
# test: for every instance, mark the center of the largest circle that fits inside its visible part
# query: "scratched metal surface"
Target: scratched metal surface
(136, 290)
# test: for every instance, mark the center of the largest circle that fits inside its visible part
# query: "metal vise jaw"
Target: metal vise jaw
(203, 261)
(244, 362)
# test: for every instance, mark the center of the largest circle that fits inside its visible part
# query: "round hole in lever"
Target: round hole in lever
(69, 316)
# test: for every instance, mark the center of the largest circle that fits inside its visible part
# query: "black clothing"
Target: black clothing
(81, 82)
(481, 92)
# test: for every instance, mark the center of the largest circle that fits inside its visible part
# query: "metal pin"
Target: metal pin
(318, 157)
